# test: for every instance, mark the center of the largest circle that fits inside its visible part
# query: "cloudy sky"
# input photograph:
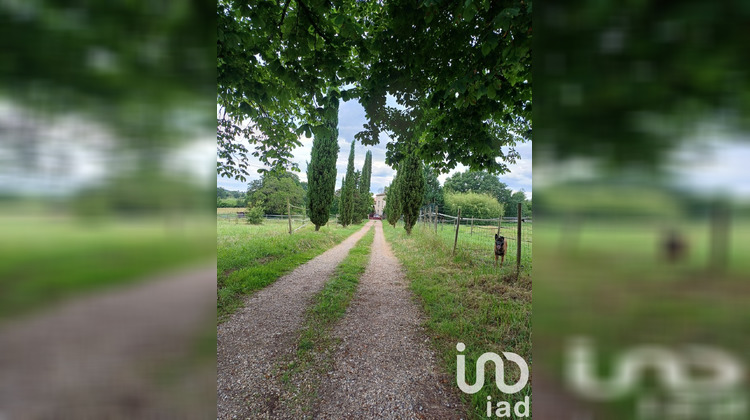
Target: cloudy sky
(351, 120)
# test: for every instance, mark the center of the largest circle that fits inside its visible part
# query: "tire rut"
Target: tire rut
(255, 337)
(384, 367)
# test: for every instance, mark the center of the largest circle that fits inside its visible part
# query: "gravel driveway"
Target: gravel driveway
(384, 367)
(264, 330)
(102, 356)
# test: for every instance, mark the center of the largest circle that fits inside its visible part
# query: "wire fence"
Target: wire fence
(294, 220)
(476, 236)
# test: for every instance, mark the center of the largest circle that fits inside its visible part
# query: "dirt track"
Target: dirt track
(102, 356)
(384, 367)
(259, 334)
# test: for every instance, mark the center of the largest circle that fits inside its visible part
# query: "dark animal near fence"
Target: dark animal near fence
(675, 246)
(501, 248)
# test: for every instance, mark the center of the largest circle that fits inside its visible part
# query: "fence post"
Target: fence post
(289, 212)
(499, 219)
(436, 218)
(458, 223)
(518, 243)
(720, 227)
(472, 227)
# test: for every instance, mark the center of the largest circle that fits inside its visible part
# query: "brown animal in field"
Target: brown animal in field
(501, 248)
(675, 246)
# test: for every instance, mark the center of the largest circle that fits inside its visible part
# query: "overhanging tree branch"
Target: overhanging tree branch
(312, 17)
(283, 15)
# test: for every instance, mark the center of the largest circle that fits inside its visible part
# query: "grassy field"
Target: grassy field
(466, 300)
(47, 259)
(315, 345)
(251, 257)
(478, 241)
(229, 210)
(608, 282)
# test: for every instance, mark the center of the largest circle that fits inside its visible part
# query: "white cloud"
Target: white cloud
(351, 120)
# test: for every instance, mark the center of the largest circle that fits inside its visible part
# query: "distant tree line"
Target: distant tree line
(487, 184)
(478, 194)
(230, 198)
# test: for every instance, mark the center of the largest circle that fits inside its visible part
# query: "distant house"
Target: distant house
(379, 204)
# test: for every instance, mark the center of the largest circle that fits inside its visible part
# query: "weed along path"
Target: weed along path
(255, 337)
(383, 367)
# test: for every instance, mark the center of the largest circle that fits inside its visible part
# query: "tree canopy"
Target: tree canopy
(460, 74)
(274, 190)
(627, 85)
(277, 64)
(142, 74)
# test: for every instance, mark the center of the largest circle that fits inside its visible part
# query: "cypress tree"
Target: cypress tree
(347, 191)
(339, 206)
(365, 198)
(411, 190)
(321, 171)
(356, 200)
(393, 199)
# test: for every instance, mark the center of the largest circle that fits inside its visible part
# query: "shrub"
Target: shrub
(480, 206)
(255, 215)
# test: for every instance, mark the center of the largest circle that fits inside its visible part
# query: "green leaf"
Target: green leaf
(491, 92)
(486, 48)
(469, 12)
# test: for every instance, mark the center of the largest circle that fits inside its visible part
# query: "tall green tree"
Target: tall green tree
(411, 188)
(433, 192)
(321, 171)
(347, 191)
(511, 209)
(356, 200)
(275, 189)
(365, 200)
(336, 201)
(393, 200)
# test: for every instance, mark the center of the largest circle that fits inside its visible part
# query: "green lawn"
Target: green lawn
(608, 282)
(47, 259)
(467, 300)
(251, 257)
(477, 242)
